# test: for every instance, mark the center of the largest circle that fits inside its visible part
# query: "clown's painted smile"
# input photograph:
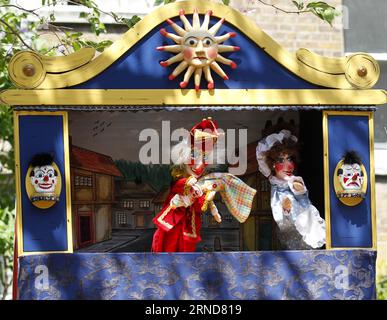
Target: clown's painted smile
(45, 185)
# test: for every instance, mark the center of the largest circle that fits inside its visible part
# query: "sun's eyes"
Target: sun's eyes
(207, 42)
(191, 41)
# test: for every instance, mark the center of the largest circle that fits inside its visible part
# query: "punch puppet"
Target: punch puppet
(192, 192)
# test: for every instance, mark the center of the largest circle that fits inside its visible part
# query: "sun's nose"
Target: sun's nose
(199, 47)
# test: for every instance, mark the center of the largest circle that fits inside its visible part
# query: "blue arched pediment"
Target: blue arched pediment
(132, 63)
(139, 67)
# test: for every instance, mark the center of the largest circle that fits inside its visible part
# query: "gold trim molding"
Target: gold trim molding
(220, 97)
(30, 70)
(361, 70)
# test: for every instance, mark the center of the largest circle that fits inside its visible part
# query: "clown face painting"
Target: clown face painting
(350, 180)
(350, 173)
(197, 50)
(43, 181)
(351, 176)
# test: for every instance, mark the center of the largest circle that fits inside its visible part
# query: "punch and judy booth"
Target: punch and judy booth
(94, 135)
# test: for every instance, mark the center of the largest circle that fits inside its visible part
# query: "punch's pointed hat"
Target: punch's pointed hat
(202, 132)
(202, 136)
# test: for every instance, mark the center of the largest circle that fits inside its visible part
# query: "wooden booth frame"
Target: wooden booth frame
(50, 87)
(19, 182)
(327, 177)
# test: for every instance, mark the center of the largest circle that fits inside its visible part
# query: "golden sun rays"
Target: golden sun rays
(197, 49)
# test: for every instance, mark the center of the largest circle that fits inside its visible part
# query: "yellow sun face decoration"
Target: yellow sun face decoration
(197, 49)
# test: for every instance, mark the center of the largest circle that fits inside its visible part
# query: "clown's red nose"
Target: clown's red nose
(354, 177)
(45, 178)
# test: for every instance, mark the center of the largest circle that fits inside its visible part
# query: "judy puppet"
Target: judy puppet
(299, 222)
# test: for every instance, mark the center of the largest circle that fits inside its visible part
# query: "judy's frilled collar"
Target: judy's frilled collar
(278, 182)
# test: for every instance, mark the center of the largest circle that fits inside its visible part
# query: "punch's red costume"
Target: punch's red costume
(178, 230)
(178, 227)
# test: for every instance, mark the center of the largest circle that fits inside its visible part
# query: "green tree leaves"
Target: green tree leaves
(323, 10)
(299, 5)
(320, 9)
(6, 250)
(159, 2)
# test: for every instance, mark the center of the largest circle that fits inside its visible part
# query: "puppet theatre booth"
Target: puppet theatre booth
(287, 210)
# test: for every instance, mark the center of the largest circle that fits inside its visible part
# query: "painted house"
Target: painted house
(92, 195)
(159, 199)
(224, 236)
(134, 208)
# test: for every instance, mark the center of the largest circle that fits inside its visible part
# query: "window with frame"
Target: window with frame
(128, 204)
(83, 181)
(144, 204)
(121, 218)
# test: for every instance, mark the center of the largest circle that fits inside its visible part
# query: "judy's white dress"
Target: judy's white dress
(301, 227)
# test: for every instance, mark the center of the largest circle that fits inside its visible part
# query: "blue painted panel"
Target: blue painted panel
(139, 67)
(350, 226)
(311, 274)
(43, 229)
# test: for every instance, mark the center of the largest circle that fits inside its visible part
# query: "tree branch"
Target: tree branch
(282, 10)
(100, 10)
(32, 11)
(16, 34)
(60, 41)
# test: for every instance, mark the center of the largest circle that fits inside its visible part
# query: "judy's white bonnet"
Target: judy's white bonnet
(266, 144)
